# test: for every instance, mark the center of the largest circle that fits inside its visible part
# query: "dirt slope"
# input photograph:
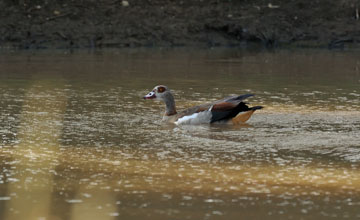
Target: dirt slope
(131, 23)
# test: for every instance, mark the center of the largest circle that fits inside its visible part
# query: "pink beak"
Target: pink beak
(151, 95)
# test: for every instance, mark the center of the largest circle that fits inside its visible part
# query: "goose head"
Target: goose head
(160, 92)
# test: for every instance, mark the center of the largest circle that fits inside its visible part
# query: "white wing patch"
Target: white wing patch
(196, 118)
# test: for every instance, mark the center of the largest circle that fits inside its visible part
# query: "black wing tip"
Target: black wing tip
(241, 97)
(257, 107)
(247, 95)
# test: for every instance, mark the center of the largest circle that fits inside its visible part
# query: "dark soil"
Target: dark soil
(132, 23)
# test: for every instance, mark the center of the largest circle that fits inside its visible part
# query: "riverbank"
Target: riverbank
(164, 23)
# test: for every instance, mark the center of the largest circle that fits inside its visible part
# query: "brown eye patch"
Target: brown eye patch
(161, 89)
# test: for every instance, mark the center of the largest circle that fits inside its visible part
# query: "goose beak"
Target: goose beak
(151, 95)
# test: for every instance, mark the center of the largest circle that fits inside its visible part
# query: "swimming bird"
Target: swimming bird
(231, 109)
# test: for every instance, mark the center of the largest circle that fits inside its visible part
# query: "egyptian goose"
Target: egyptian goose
(230, 109)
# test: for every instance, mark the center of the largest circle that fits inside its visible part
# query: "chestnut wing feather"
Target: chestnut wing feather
(223, 106)
(229, 107)
(223, 112)
(192, 110)
(223, 109)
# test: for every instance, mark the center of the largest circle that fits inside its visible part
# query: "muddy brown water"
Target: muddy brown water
(79, 142)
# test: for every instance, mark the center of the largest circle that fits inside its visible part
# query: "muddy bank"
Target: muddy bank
(132, 23)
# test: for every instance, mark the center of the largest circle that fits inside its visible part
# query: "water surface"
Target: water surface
(79, 142)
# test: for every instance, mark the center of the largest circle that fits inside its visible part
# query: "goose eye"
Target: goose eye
(161, 89)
